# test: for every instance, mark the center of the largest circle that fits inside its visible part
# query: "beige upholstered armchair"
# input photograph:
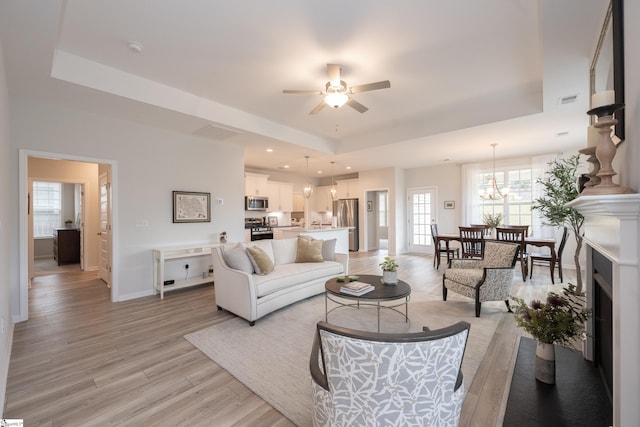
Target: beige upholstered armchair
(367, 378)
(486, 279)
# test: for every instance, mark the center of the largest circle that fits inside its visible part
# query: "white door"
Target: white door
(105, 229)
(421, 215)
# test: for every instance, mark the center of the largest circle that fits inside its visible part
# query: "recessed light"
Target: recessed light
(319, 172)
(269, 150)
(134, 46)
(562, 133)
(348, 167)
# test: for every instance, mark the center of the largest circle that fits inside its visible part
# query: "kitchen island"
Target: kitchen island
(339, 233)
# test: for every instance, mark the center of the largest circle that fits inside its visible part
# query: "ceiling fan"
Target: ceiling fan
(337, 93)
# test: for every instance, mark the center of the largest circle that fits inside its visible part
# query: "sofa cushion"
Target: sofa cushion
(265, 245)
(309, 251)
(260, 260)
(237, 258)
(288, 275)
(284, 250)
(329, 249)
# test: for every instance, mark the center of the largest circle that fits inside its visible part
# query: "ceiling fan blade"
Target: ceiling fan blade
(356, 105)
(318, 108)
(371, 86)
(311, 92)
(333, 71)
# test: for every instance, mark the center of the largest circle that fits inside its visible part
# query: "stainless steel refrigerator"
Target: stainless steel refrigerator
(346, 212)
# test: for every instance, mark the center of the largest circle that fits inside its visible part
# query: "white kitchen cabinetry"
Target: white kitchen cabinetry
(280, 196)
(323, 199)
(348, 189)
(298, 203)
(193, 278)
(256, 184)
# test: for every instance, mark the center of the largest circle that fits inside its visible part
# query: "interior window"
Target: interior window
(47, 202)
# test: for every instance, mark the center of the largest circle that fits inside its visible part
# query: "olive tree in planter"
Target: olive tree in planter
(559, 185)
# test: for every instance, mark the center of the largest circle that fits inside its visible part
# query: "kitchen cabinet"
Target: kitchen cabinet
(323, 199)
(66, 245)
(280, 196)
(298, 203)
(256, 184)
(348, 189)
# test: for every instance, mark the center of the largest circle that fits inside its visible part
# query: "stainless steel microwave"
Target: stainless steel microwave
(256, 203)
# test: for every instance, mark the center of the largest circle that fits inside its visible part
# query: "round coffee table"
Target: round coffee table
(381, 293)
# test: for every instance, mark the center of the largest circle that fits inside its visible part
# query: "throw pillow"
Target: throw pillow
(309, 250)
(260, 260)
(329, 249)
(237, 258)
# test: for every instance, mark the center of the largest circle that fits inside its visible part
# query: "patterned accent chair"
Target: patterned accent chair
(366, 378)
(487, 279)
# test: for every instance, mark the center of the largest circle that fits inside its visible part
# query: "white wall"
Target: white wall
(7, 277)
(151, 163)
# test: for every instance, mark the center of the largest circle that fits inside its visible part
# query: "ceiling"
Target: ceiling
(464, 74)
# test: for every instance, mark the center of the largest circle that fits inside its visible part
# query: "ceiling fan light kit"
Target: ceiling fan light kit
(336, 92)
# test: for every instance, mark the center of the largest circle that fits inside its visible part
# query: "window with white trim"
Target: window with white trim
(382, 209)
(516, 206)
(47, 204)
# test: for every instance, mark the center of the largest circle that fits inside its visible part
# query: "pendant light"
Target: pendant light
(494, 193)
(308, 189)
(333, 191)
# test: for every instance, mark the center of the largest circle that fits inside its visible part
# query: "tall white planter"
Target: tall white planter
(545, 363)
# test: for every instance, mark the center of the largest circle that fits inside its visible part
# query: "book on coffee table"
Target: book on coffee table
(356, 288)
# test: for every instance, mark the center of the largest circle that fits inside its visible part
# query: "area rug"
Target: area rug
(272, 357)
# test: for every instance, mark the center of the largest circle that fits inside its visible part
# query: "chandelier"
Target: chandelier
(333, 191)
(493, 192)
(308, 189)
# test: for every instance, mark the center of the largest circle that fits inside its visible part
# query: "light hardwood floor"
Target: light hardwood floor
(82, 360)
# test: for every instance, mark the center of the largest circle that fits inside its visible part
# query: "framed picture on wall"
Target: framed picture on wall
(449, 204)
(190, 206)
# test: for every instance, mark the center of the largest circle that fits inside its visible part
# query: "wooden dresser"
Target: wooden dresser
(66, 245)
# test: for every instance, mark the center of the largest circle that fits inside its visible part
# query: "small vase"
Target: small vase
(545, 363)
(390, 277)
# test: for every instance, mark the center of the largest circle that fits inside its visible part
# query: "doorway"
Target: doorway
(55, 226)
(33, 165)
(377, 220)
(422, 202)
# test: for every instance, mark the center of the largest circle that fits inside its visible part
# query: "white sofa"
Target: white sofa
(252, 296)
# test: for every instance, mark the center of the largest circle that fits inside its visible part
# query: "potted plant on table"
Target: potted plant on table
(389, 271)
(491, 221)
(558, 320)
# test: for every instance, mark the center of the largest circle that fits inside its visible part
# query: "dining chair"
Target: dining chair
(516, 234)
(540, 258)
(486, 230)
(472, 241)
(439, 249)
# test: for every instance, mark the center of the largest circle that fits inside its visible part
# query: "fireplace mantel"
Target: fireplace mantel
(612, 228)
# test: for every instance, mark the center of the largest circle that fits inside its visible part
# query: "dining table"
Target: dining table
(529, 240)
